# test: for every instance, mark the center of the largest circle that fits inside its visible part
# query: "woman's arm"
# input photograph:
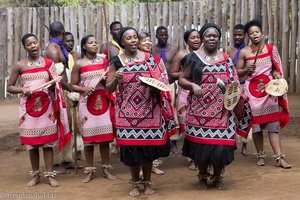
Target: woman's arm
(241, 69)
(186, 84)
(113, 78)
(75, 80)
(175, 67)
(11, 88)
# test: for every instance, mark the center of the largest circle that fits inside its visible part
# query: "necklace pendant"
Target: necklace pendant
(36, 63)
(128, 60)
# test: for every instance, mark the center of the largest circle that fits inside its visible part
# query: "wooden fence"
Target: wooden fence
(280, 19)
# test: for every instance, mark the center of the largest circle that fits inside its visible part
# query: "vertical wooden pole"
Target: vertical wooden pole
(294, 22)
(298, 59)
(264, 14)
(210, 13)
(176, 23)
(47, 22)
(196, 9)
(142, 17)
(218, 12)
(81, 22)
(232, 20)
(224, 24)
(170, 9)
(10, 41)
(285, 38)
(270, 21)
(252, 9)
(73, 27)
(244, 11)
(99, 25)
(3, 45)
(181, 25)
(237, 12)
(276, 23)
(202, 13)
(165, 15)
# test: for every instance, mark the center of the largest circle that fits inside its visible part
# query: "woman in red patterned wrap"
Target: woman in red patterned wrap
(211, 129)
(144, 118)
(260, 63)
(96, 105)
(43, 117)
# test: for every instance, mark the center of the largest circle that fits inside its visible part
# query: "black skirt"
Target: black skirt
(208, 155)
(134, 156)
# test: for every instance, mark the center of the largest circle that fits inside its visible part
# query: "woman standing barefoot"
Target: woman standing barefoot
(144, 119)
(41, 118)
(96, 105)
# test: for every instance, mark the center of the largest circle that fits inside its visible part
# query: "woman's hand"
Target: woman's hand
(88, 91)
(119, 75)
(251, 68)
(197, 90)
(276, 75)
(26, 92)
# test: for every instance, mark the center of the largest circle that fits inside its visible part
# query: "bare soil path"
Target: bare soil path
(244, 180)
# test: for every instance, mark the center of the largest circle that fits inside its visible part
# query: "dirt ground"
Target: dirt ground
(244, 180)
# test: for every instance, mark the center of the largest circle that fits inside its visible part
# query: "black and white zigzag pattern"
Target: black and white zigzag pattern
(142, 133)
(213, 133)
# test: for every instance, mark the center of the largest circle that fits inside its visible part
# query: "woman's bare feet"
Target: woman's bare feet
(88, 178)
(134, 192)
(244, 150)
(53, 182)
(35, 180)
(261, 156)
(148, 189)
(192, 165)
(157, 171)
(283, 164)
(261, 162)
(280, 162)
(108, 175)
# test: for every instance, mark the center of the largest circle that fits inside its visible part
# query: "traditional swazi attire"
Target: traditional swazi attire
(181, 103)
(266, 109)
(210, 136)
(144, 116)
(43, 116)
(96, 112)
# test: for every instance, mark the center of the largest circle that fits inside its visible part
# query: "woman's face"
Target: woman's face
(194, 40)
(211, 40)
(145, 44)
(91, 45)
(255, 34)
(32, 46)
(130, 40)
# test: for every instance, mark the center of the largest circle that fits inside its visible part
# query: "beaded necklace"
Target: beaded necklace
(34, 63)
(94, 60)
(210, 58)
(130, 59)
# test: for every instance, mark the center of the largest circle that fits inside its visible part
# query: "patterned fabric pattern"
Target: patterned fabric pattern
(139, 115)
(38, 132)
(96, 111)
(207, 121)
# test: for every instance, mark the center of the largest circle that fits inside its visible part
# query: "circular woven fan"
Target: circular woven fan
(277, 87)
(232, 95)
(155, 83)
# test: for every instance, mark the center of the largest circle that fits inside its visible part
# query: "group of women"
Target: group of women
(113, 101)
